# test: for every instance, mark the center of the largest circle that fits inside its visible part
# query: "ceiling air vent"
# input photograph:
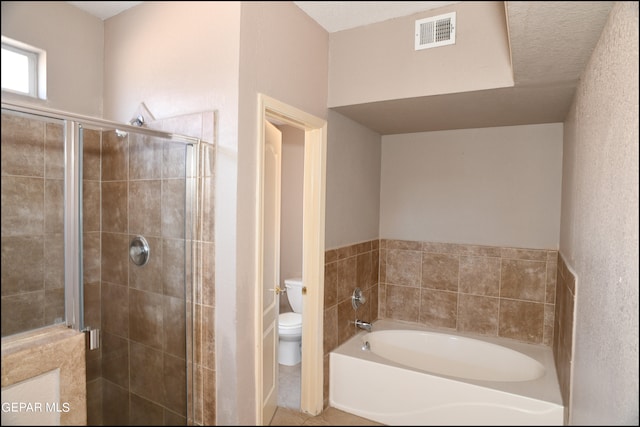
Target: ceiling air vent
(436, 31)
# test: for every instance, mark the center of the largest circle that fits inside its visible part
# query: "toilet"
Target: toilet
(290, 325)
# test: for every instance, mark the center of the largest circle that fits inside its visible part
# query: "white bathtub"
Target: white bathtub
(415, 376)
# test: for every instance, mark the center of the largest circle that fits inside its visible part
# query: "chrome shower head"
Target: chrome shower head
(138, 121)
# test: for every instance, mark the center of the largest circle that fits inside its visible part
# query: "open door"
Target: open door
(267, 256)
(271, 268)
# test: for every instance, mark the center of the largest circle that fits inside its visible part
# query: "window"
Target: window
(23, 69)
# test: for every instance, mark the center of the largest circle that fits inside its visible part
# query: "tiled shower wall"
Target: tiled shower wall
(139, 372)
(139, 375)
(201, 405)
(32, 224)
(563, 326)
(487, 290)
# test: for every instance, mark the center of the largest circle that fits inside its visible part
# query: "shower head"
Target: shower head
(137, 121)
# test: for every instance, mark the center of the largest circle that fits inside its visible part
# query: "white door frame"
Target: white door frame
(313, 213)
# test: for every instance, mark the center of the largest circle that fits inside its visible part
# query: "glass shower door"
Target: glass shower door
(32, 222)
(82, 201)
(136, 245)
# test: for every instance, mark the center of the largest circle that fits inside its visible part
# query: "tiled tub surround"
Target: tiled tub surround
(32, 224)
(563, 326)
(345, 269)
(487, 290)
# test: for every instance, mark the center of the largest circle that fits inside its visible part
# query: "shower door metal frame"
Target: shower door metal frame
(73, 186)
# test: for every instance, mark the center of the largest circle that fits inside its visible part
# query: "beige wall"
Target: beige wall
(599, 238)
(353, 182)
(378, 62)
(284, 55)
(180, 58)
(73, 41)
(291, 207)
(491, 186)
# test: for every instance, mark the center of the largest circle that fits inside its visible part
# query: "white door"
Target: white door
(271, 269)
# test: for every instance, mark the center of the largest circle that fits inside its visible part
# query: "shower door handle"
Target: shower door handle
(94, 337)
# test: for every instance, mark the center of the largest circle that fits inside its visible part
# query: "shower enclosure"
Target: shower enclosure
(102, 229)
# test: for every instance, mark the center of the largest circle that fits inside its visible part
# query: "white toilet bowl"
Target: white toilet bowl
(290, 325)
(290, 343)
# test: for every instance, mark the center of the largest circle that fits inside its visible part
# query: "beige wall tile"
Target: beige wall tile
(478, 314)
(114, 207)
(145, 157)
(147, 372)
(22, 146)
(146, 318)
(115, 157)
(115, 309)
(438, 308)
(330, 335)
(22, 312)
(115, 258)
(403, 267)
(22, 206)
(521, 320)
(440, 271)
(480, 275)
(115, 360)
(91, 206)
(91, 155)
(54, 151)
(403, 303)
(363, 269)
(115, 404)
(173, 214)
(330, 284)
(22, 265)
(145, 211)
(523, 279)
(347, 277)
(144, 412)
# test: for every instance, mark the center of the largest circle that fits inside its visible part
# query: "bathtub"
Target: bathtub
(403, 374)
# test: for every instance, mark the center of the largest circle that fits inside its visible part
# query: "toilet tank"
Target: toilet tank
(294, 293)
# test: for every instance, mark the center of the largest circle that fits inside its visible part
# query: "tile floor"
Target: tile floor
(288, 412)
(328, 417)
(289, 386)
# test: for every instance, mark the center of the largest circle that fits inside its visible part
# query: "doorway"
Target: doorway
(313, 211)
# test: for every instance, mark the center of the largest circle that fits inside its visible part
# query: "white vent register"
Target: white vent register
(436, 31)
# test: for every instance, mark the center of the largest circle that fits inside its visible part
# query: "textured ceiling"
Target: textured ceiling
(551, 42)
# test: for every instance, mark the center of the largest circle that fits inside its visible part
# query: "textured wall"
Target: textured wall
(599, 225)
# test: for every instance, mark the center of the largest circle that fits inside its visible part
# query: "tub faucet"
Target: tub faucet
(363, 325)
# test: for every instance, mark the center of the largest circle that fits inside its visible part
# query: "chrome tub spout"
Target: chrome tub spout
(363, 325)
